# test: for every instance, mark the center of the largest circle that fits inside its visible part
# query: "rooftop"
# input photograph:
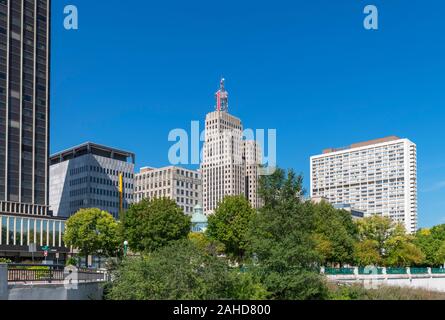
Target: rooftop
(92, 148)
(150, 169)
(362, 144)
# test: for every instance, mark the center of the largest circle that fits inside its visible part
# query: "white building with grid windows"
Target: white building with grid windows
(377, 177)
(181, 185)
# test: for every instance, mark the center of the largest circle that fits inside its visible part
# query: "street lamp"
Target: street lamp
(125, 248)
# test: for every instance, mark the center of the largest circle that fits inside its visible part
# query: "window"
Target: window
(38, 233)
(11, 230)
(32, 238)
(4, 225)
(45, 233)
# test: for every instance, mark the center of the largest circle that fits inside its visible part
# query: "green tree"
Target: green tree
(181, 271)
(400, 251)
(92, 231)
(367, 253)
(440, 255)
(152, 224)
(203, 242)
(335, 234)
(395, 247)
(432, 243)
(230, 224)
(282, 247)
(378, 229)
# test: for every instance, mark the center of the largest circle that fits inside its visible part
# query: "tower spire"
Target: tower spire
(222, 97)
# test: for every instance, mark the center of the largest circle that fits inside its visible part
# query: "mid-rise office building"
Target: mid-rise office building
(378, 177)
(181, 185)
(91, 176)
(225, 171)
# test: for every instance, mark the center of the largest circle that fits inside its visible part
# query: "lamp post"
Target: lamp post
(125, 248)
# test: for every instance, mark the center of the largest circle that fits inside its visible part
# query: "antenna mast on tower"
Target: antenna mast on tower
(222, 98)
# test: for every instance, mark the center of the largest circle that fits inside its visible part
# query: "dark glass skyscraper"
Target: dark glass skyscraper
(24, 106)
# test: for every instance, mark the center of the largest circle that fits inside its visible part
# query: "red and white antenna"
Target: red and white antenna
(222, 98)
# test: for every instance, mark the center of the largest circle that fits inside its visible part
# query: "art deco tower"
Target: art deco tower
(224, 170)
(24, 106)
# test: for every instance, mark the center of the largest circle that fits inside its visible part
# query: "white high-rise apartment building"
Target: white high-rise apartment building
(377, 177)
(225, 171)
(181, 185)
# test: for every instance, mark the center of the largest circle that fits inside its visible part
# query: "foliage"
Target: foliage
(383, 236)
(41, 272)
(92, 231)
(246, 286)
(378, 229)
(180, 271)
(357, 292)
(203, 242)
(335, 234)
(4, 260)
(71, 261)
(152, 224)
(230, 223)
(432, 243)
(401, 252)
(367, 253)
(284, 253)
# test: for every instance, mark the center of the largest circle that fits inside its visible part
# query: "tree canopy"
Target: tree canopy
(282, 247)
(335, 234)
(92, 231)
(152, 224)
(182, 271)
(389, 239)
(432, 243)
(230, 224)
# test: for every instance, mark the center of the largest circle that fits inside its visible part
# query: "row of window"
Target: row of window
(111, 172)
(97, 180)
(167, 173)
(84, 203)
(19, 231)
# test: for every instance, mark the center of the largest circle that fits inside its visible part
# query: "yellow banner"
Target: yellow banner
(121, 183)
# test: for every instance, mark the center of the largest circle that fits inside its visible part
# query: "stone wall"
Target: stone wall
(55, 291)
(84, 291)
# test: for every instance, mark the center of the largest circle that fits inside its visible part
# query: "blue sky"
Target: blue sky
(137, 69)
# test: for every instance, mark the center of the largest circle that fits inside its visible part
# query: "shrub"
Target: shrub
(71, 262)
(358, 292)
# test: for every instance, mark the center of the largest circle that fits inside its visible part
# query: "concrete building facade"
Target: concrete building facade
(225, 171)
(179, 184)
(91, 176)
(378, 177)
(252, 158)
